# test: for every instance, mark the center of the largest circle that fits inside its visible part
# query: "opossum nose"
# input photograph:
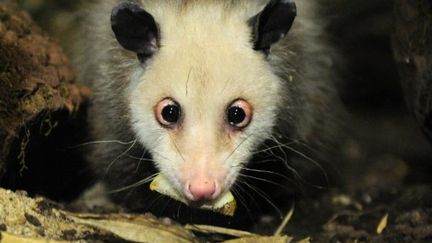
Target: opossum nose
(202, 190)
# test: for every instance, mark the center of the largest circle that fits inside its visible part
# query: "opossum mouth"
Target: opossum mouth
(225, 204)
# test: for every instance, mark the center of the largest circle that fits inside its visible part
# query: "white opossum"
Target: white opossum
(200, 84)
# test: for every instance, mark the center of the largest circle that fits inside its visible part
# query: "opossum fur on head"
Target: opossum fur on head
(201, 84)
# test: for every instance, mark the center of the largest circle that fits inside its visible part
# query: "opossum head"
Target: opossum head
(204, 96)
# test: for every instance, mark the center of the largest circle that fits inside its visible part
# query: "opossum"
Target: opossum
(200, 85)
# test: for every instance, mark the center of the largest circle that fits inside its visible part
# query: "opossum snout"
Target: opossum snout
(201, 189)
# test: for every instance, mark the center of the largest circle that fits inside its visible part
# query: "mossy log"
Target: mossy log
(35, 78)
(412, 44)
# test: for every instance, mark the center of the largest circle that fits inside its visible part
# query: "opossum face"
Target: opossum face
(205, 97)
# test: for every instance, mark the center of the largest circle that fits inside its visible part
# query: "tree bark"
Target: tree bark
(35, 78)
(412, 44)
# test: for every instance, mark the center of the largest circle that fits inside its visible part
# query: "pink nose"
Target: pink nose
(202, 190)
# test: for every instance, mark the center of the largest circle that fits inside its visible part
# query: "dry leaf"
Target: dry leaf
(208, 229)
(262, 239)
(135, 229)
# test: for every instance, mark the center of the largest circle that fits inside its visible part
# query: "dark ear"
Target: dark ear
(273, 23)
(135, 29)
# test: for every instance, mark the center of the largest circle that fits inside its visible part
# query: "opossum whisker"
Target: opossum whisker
(237, 147)
(265, 161)
(303, 155)
(125, 197)
(287, 146)
(153, 153)
(292, 181)
(155, 200)
(262, 195)
(141, 160)
(156, 154)
(226, 85)
(102, 142)
(165, 203)
(246, 192)
(307, 146)
(303, 144)
(267, 149)
(239, 196)
(187, 81)
(119, 156)
(285, 161)
(264, 180)
(268, 172)
(295, 172)
(271, 159)
(287, 165)
(134, 185)
(321, 154)
(177, 148)
(281, 147)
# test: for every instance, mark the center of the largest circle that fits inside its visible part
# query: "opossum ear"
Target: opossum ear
(135, 29)
(273, 23)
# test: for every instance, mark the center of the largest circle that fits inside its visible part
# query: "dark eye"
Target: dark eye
(168, 113)
(239, 114)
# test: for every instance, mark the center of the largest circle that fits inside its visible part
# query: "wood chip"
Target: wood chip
(262, 239)
(135, 228)
(382, 224)
(208, 229)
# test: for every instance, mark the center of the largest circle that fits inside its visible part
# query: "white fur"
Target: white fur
(206, 61)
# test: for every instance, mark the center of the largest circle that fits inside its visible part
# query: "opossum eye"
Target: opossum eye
(273, 23)
(239, 114)
(168, 113)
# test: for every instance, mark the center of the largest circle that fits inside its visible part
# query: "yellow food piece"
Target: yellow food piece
(382, 224)
(226, 204)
